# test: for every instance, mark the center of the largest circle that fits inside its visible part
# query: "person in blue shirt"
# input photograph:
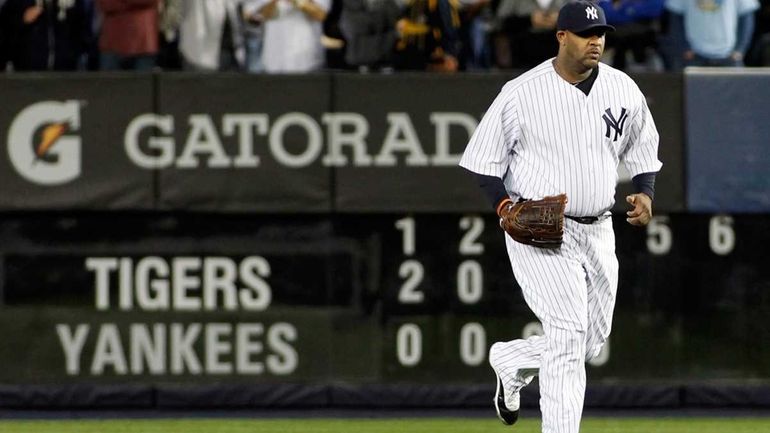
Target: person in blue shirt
(713, 32)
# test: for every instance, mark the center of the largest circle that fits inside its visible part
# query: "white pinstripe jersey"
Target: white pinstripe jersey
(543, 136)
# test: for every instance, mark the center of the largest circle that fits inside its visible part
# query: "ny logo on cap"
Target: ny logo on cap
(592, 13)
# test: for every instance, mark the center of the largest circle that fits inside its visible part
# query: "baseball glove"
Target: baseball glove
(539, 223)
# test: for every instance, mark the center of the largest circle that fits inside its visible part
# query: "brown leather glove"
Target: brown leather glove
(539, 223)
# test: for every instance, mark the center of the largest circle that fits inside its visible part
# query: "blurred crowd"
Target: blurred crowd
(298, 36)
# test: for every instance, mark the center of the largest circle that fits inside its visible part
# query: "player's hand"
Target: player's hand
(641, 214)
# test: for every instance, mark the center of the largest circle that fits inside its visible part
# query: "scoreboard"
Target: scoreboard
(382, 298)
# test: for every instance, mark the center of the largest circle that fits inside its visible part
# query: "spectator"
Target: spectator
(635, 38)
(332, 39)
(713, 32)
(428, 37)
(476, 23)
(211, 36)
(530, 26)
(759, 53)
(170, 18)
(253, 33)
(41, 35)
(129, 37)
(292, 39)
(3, 48)
(369, 29)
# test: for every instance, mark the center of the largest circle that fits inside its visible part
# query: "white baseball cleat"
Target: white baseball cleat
(506, 404)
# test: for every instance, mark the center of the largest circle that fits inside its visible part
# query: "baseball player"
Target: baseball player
(562, 128)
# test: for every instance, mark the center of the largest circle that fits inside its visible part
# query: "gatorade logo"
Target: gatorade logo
(41, 145)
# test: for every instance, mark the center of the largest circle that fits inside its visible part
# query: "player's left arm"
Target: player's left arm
(640, 157)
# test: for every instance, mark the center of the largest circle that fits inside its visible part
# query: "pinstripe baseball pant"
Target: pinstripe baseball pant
(572, 292)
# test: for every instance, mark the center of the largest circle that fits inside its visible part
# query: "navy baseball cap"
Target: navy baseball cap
(581, 16)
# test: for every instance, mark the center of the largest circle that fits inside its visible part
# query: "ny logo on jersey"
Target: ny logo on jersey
(592, 13)
(613, 124)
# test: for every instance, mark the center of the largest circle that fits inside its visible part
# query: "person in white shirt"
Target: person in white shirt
(210, 36)
(292, 35)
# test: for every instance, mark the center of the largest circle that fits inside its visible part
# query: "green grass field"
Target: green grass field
(405, 425)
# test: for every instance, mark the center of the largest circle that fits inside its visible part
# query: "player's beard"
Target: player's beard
(591, 63)
(592, 58)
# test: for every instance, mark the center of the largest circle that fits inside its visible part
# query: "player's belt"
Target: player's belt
(581, 220)
(587, 219)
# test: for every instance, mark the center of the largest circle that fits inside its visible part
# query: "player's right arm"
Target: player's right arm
(489, 150)
(494, 189)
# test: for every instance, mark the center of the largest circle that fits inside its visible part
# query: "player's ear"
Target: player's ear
(561, 35)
